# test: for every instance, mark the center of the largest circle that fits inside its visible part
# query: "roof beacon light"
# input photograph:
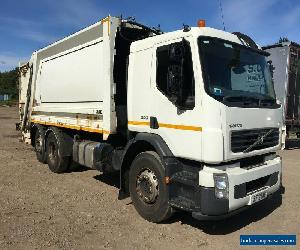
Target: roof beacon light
(201, 23)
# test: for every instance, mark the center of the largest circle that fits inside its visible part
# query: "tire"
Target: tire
(56, 162)
(147, 173)
(39, 147)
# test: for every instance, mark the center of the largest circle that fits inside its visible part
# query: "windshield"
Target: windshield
(234, 73)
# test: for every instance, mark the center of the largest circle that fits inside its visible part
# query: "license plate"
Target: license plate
(258, 197)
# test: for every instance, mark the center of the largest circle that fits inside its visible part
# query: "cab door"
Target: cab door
(175, 103)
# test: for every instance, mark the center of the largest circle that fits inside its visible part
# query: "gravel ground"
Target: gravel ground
(80, 209)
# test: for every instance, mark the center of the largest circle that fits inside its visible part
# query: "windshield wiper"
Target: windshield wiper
(247, 100)
(235, 98)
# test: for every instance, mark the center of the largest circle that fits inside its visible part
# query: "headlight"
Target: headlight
(221, 186)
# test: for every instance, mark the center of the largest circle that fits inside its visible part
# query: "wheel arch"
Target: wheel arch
(33, 130)
(141, 143)
(63, 138)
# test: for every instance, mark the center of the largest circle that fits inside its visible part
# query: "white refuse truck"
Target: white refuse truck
(188, 118)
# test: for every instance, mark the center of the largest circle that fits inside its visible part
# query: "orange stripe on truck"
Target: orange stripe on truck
(181, 127)
(138, 123)
(166, 125)
(76, 127)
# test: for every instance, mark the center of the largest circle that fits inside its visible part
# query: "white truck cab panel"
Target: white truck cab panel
(179, 128)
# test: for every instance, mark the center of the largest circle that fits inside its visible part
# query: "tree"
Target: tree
(9, 83)
(283, 39)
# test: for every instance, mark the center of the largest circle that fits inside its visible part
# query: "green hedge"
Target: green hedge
(9, 83)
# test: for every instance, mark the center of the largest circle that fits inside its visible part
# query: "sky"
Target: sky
(26, 26)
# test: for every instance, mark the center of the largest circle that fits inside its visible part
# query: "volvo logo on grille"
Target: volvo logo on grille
(259, 141)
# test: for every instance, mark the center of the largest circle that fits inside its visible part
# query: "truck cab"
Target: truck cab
(209, 96)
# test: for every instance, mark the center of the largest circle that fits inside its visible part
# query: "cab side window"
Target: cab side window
(175, 75)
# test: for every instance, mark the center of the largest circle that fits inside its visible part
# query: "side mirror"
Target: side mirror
(271, 67)
(175, 73)
(178, 77)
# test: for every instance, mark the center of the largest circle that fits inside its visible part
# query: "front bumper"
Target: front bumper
(203, 217)
(192, 189)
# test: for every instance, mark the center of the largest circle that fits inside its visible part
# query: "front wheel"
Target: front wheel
(147, 189)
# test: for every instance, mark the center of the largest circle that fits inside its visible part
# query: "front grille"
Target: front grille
(243, 139)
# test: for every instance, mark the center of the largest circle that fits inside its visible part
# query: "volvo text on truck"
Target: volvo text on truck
(188, 118)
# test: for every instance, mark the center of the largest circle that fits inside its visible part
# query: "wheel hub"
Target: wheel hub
(147, 186)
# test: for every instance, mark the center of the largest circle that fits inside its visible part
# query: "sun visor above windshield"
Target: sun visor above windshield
(248, 41)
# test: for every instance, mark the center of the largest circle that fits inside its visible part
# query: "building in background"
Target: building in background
(285, 57)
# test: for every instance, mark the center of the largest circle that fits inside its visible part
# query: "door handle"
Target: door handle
(153, 123)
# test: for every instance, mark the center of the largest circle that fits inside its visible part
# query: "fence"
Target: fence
(5, 97)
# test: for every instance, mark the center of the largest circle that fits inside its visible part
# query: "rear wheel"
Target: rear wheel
(56, 162)
(39, 145)
(148, 192)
